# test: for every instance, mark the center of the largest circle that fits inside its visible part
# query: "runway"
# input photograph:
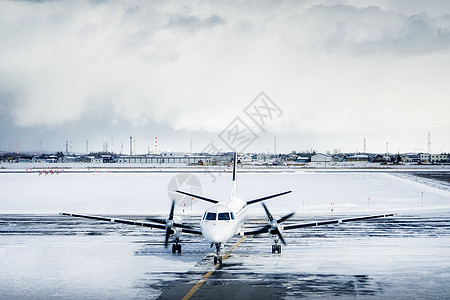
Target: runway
(57, 257)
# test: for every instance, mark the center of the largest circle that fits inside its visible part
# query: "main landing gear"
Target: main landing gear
(176, 247)
(276, 247)
(218, 257)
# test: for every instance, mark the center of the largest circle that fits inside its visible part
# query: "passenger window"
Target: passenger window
(211, 216)
(232, 216)
(224, 216)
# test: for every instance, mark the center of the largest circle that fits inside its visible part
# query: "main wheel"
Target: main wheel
(279, 248)
(220, 260)
(273, 248)
(215, 260)
(179, 248)
(174, 248)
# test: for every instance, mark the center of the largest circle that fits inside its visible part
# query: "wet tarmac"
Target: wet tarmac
(57, 257)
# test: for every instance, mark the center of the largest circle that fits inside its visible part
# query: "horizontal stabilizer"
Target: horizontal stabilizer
(198, 197)
(267, 197)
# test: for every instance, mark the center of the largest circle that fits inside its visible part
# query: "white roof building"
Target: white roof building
(320, 157)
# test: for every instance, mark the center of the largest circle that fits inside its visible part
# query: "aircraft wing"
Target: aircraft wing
(128, 222)
(336, 221)
(313, 224)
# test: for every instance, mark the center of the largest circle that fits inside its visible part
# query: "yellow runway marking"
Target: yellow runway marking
(216, 266)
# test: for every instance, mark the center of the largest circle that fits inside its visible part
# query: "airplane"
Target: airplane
(224, 220)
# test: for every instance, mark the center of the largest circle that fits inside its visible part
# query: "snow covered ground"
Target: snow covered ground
(314, 192)
(55, 257)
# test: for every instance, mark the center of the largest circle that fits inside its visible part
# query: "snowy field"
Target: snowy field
(47, 256)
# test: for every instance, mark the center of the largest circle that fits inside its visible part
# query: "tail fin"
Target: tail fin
(233, 190)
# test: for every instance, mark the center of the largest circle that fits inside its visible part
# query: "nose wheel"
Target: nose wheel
(218, 260)
(176, 247)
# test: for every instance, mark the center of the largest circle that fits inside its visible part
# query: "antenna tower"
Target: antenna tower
(429, 143)
(275, 145)
(131, 145)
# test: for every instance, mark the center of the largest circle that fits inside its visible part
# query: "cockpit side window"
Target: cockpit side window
(211, 216)
(224, 216)
(232, 215)
(204, 216)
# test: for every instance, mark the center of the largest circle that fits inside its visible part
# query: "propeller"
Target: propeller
(169, 224)
(273, 226)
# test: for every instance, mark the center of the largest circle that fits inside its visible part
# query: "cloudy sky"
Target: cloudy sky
(338, 72)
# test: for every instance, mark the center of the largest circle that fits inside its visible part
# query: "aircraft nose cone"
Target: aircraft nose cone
(218, 233)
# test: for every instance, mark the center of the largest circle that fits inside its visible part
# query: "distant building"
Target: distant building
(438, 158)
(425, 157)
(358, 158)
(303, 159)
(166, 158)
(410, 158)
(321, 158)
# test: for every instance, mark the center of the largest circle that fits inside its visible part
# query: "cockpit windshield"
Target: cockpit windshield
(211, 216)
(224, 216)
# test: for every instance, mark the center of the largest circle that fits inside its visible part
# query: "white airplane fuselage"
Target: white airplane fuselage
(224, 220)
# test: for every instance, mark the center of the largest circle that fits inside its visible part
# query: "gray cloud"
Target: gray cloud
(351, 30)
(191, 22)
(194, 68)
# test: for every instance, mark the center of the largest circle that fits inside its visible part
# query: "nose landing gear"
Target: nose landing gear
(218, 257)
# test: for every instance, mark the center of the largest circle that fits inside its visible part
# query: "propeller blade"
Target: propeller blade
(166, 241)
(182, 226)
(171, 210)
(281, 237)
(259, 231)
(281, 220)
(269, 215)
